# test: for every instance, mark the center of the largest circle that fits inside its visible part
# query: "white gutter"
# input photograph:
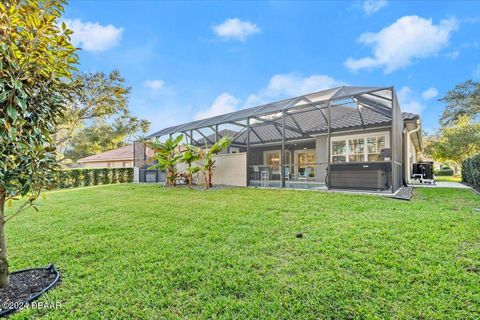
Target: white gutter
(408, 148)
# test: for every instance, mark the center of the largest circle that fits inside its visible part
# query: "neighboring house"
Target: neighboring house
(117, 158)
(340, 138)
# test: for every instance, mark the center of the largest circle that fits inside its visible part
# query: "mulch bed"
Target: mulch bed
(24, 285)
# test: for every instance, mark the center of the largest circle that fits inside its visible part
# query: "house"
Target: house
(340, 138)
(117, 158)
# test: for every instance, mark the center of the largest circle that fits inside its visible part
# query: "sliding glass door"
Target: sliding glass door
(305, 160)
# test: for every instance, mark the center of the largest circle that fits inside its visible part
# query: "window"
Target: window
(339, 151)
(272, 158)
(356, 150)
(375, 146)
(306, 163)
(109, 164)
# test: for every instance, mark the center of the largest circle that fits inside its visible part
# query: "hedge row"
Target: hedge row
(72, 178)
(471, 171)
(444, 172)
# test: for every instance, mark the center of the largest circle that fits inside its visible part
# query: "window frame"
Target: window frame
(298, 166)
(350, 153)
(265, 157)
(368, 153)
(340, 154)
(347, 138)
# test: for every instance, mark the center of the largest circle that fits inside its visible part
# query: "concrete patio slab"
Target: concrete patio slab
(442, 184)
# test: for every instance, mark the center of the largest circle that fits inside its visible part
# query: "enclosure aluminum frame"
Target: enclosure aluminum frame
(382, 100)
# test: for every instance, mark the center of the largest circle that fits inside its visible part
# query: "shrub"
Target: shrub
(96, 176)
(87, 177)
(129, 172)
(125, 175)
(444, 172)
(76, 177)
(121, 176)
(114, 175)
(105, 175)
(471, 171)
(63, 179)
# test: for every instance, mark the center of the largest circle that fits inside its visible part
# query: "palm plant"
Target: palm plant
(167, 156)
(208, 162)
(190, 156)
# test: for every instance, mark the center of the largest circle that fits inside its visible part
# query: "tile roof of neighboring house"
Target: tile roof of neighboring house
(123, 153)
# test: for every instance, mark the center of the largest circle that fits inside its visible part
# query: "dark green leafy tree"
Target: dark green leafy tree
(97, 118)
(36, 65)
(102, 136)
(457, 142)
(428, 143)
(167, 156)
(463, 100)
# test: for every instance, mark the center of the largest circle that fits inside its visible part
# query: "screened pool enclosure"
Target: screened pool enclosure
(340, 138)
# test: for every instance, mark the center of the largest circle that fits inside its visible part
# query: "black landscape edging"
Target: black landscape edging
(51, 268)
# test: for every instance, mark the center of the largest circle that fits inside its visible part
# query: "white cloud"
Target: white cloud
(408, 101)
(235, 29)
(476, 72)
(92, 36)
(453, 55)
(372, 6)
(291, 85)
(407, 39)
(156, 85)
(224, 103)
(430, 93)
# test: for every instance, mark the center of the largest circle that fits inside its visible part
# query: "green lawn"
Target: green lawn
(141, 251)
(448, 178)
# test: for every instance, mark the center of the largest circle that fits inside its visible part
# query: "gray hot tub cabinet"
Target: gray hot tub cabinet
(362, 176)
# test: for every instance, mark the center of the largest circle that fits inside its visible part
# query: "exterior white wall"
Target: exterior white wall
(105, 164)
(136, 174)
(231, 169)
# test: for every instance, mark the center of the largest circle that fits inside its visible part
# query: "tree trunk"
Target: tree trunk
(4, 278)
(190, 175)
(210, 178)
(205, 178)
(170, 178)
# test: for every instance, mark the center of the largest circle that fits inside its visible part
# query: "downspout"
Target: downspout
(407, 144)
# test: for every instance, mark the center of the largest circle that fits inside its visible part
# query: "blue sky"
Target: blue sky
(188, 60)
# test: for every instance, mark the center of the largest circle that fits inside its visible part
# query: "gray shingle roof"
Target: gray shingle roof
(312, 122)
(320, 97)
(211, 137)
